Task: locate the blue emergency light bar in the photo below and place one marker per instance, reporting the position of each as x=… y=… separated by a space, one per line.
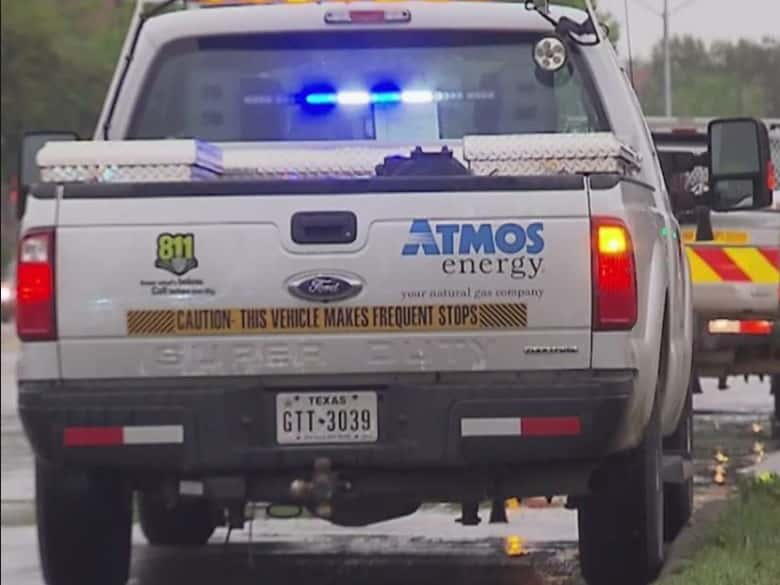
x=363 y=98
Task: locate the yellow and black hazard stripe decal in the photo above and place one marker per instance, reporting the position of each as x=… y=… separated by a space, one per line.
x=325 y=319
x=151 y=322
x=712 y=264
x=500 y=316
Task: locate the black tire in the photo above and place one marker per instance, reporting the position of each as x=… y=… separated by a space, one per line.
x=189 y=523
x=84 y=521
x=621 y=522
x=678 y=497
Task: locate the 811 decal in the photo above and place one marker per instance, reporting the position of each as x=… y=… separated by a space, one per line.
x=176 y=253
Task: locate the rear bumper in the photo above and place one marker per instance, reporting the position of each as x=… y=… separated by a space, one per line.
x=724 y=354
x=736 y=300
x=227 y=426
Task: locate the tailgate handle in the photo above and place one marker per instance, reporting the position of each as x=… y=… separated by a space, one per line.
x=324 y=227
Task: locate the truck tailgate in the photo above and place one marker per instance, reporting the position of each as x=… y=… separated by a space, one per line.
x=213 y=285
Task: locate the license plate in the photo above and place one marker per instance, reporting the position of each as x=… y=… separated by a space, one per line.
x=326 y=417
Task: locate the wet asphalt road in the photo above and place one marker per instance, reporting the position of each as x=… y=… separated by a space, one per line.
x=428 y=547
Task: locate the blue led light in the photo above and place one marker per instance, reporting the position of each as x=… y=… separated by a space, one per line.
x=321 y=99
x=386 y=97
x=362 y=98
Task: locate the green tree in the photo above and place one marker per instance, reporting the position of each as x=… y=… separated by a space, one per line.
x=725 y=79
x=604 y=17
x=57 y=60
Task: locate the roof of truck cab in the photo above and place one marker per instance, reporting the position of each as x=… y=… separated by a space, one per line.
x=288 y=17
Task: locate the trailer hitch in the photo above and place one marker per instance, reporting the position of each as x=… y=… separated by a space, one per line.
x=318 y=493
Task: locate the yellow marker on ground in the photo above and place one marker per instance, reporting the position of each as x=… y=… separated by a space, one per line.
x=514 y=546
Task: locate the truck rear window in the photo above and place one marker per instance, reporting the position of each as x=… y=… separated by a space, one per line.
x=385 y=86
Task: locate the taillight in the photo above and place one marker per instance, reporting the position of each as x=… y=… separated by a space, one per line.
x=771 y=176
x=383 y=16
x=720 y=326
x=35 y=310
x=614 y=275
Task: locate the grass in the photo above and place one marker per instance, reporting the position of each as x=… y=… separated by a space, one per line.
x=743 y=545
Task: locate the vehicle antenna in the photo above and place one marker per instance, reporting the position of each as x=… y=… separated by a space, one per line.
x=628 y=41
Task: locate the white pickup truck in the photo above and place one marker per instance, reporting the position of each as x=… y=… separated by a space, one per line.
x=418 y=252
x=735 y=265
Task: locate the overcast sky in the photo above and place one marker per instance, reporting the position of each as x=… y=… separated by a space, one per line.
x=707 y=19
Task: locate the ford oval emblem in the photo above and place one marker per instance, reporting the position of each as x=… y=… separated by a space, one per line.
x=324 y=287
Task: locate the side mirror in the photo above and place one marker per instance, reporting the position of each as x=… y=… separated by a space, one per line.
x=29 y=173
x=740 y=172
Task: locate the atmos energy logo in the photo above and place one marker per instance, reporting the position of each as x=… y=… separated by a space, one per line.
x=507 y=248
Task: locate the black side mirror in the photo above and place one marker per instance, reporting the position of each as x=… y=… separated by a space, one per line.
x=29 y=173
x=739 y=164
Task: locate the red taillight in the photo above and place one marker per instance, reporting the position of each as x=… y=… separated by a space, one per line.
x=387 y=15
x=35 y=311
x=726 y=326
x=771 y=176
x=614 y=275
x=755 y=327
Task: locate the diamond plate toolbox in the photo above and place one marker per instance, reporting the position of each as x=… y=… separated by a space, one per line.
x=545 y=154
x=129 y=161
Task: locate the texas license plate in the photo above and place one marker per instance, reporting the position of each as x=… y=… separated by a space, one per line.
x=326 y=417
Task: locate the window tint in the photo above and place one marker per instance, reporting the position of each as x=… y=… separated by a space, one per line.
x=346 y=86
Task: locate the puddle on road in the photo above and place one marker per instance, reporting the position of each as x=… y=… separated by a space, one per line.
x=731 y=440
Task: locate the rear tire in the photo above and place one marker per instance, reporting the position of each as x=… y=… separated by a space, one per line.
x=189 y=523
x=678 y=497
x=84 y=520
x=621 y=522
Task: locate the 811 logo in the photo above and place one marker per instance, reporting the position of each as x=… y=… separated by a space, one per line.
x=176 y=253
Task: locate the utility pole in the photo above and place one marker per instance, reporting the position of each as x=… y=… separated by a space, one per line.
x=667 y=62
x=666 y=16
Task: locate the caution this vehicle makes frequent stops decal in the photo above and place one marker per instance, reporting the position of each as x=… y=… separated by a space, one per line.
x=389 y=318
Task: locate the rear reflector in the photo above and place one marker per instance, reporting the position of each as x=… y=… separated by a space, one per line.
x=129 y=435
x=722 y=326
x=614 y=275
x=534 y=426
x=550 y=426
x=35 y=284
